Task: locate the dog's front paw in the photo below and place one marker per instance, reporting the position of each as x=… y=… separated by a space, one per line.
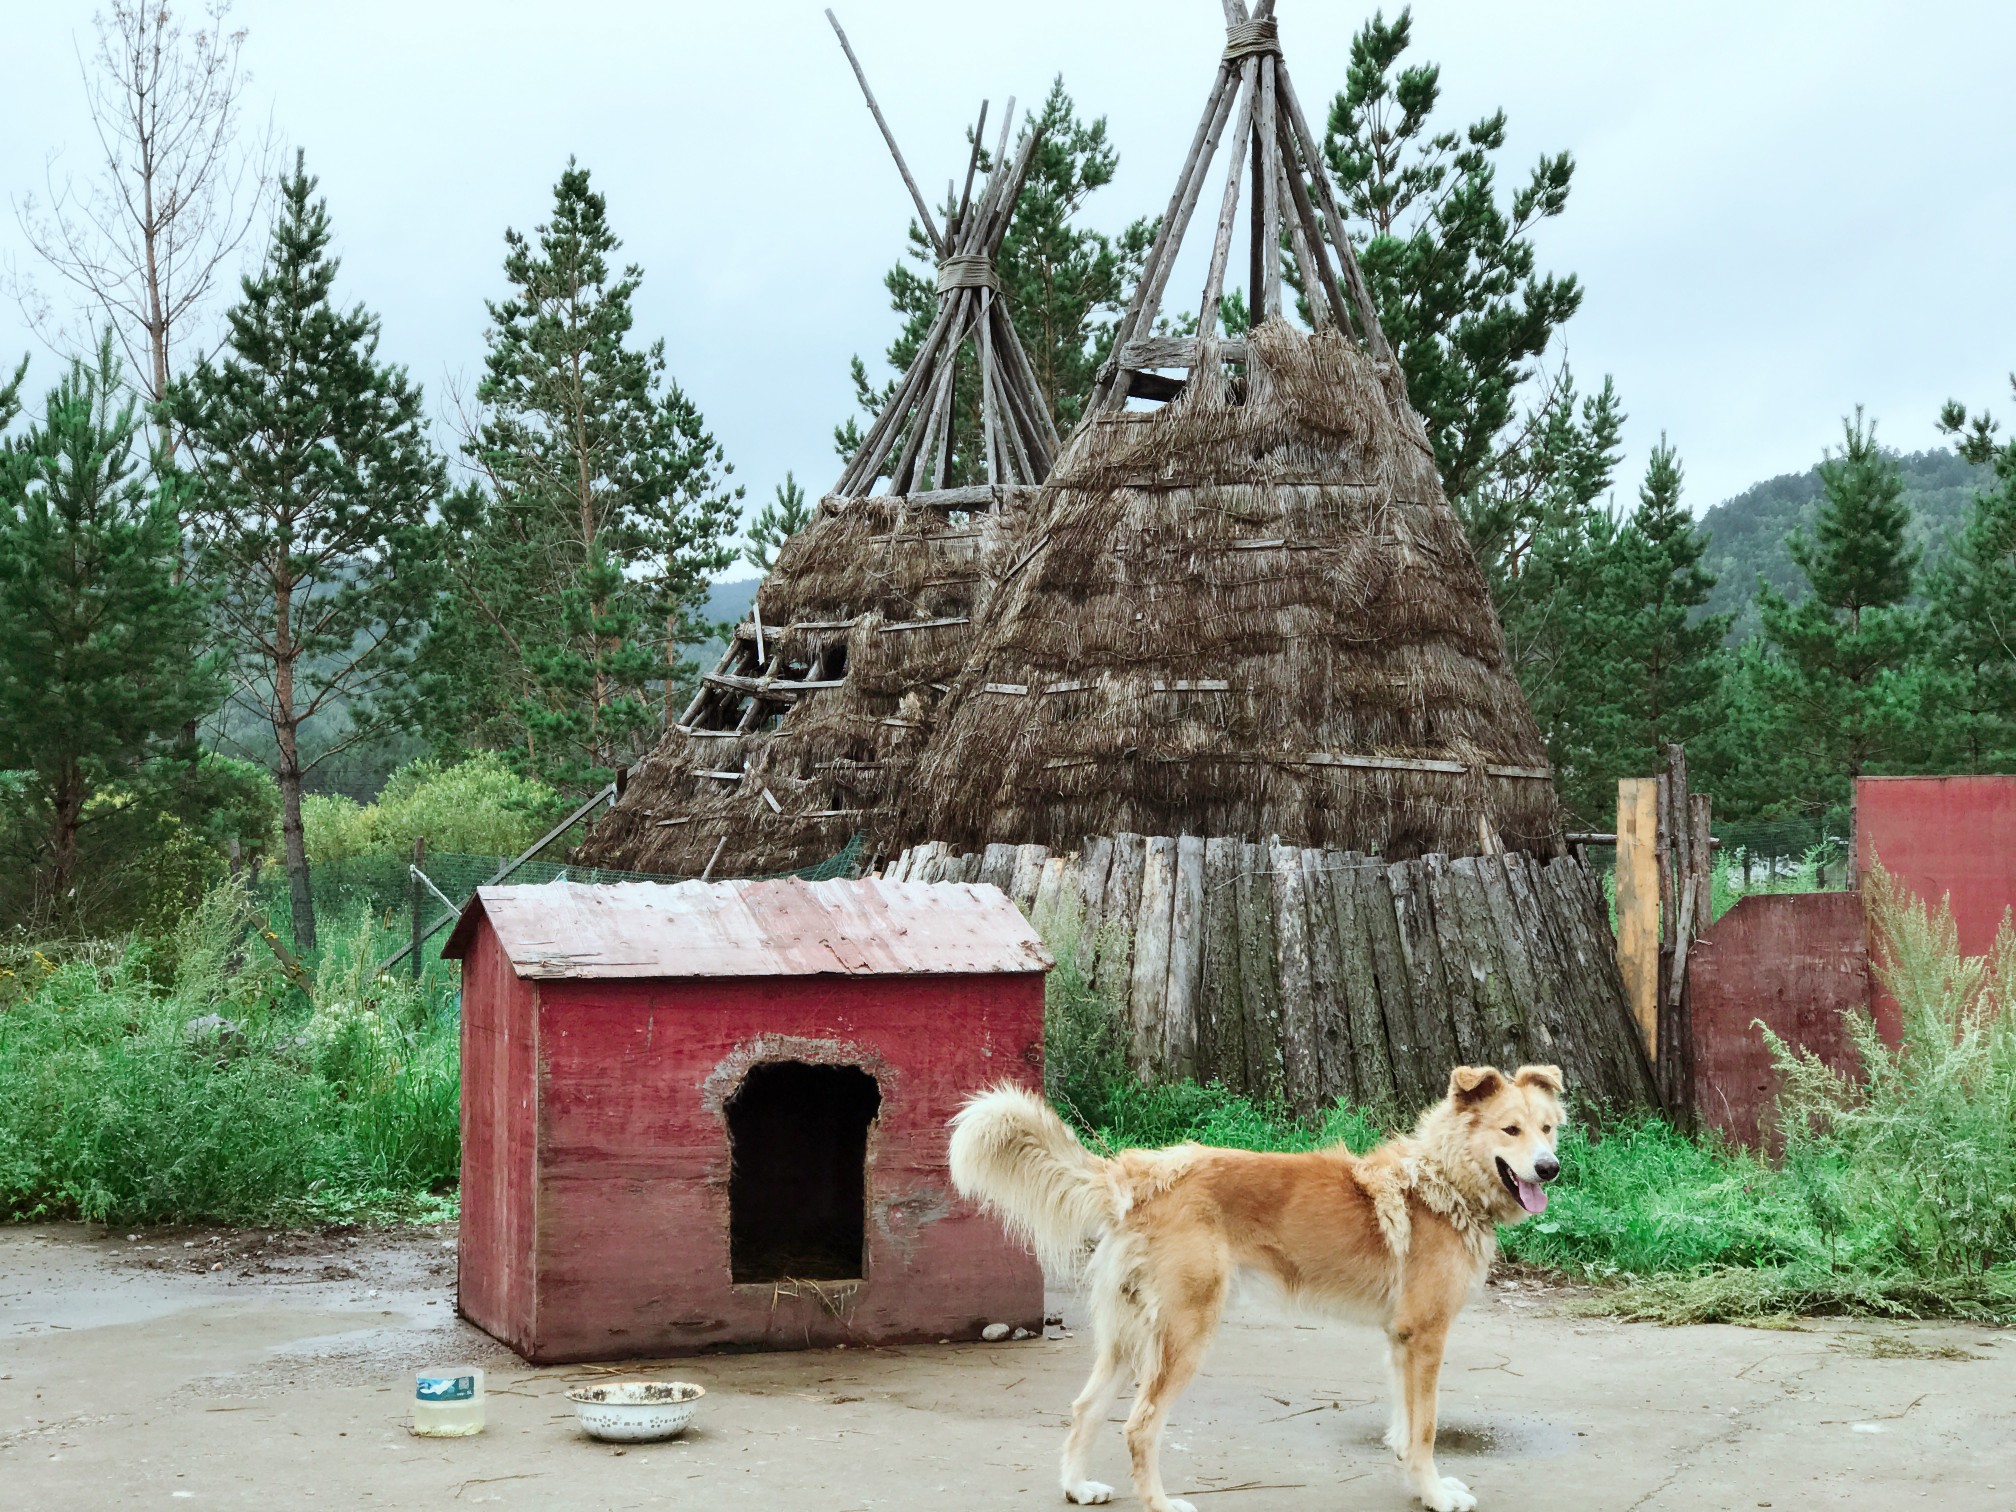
x=1177 y=1504
x=1088 y=1493
x=1448 y=1495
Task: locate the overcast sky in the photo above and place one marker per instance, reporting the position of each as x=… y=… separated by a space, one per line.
x=1780 y=210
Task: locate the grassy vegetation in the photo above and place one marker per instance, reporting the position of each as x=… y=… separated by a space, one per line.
x=187 y=1081
x=1895 y=1192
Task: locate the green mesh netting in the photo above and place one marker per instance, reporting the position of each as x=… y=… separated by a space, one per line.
x=384 y=883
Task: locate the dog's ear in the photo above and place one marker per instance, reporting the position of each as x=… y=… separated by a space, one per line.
x=1469 y=1085
x=1548 y=1077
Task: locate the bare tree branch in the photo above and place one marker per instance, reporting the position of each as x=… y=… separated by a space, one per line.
x=147 y=235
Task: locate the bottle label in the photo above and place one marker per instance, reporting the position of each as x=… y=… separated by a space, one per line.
x=445 y=1388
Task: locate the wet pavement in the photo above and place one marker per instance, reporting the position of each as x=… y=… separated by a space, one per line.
x=218 y=1368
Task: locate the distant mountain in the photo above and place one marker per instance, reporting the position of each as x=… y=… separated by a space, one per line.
x=727 y=603
x=1748 y=535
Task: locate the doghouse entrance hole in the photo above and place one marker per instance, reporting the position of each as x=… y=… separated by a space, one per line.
x=798 y=1182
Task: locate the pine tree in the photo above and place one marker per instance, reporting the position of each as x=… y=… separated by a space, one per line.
x=1066 y=286
x=1555 y=592
x=1973 y=594
x=101 y=660
x=1841 y=675
x=778 y=521
x=310 y=480
x=582 y=566
x=1450 y=266
x=1639 y=667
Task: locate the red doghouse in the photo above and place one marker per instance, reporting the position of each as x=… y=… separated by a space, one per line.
x=702 y=1115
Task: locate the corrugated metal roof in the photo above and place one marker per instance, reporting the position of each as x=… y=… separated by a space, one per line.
x=747 y=929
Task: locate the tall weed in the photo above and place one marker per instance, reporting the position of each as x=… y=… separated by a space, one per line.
x=220 y=1094
x=1896 y=1189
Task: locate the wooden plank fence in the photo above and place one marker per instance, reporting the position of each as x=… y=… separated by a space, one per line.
x=1316 y=974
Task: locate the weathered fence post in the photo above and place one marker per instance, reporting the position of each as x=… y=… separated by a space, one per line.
x=1638 y=903
x=1686 y=884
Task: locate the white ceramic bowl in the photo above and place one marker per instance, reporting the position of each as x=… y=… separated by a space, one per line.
x=636 y=1412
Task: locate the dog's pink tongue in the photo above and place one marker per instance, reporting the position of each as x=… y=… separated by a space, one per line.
x=1532 y=1195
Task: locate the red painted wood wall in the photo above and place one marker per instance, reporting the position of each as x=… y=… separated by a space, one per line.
x=1797 y=962
x=1945 y=837
x=596 y=1157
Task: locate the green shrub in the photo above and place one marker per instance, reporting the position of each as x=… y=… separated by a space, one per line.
x=220 y=1095
x=478 y=807
x=335 y=828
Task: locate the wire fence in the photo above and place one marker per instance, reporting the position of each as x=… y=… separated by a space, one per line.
x=385 y=887
x=1770 y=855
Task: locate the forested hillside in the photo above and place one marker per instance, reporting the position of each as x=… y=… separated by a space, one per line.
x=1749 y=535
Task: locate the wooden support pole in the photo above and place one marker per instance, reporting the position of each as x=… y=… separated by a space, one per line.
x=1702 y=848
x=972 y=163
x=1347 y=260
x=988 y=450
x=1139 y=317
x=1228 y=207
x=1682 y=899
x=923 y=210
x=1267 y=199
x=881 y=438
x=1047 y=439
x=1325 y=307
x=1256 y=249
x=1638 y=903
x=719 y=846
x=419 y=904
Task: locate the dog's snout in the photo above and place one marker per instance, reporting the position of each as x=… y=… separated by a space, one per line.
x=1546 y=1168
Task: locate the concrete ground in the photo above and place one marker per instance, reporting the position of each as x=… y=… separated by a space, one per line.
x=226 y=1369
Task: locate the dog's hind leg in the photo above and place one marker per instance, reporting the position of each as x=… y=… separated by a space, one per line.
x=1191 y=1301
x=1087 y=1413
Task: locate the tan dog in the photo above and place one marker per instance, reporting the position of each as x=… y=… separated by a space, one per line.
x=1401 y=1237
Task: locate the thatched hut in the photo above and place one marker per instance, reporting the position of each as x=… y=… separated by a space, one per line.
x=806 y=733
x=1224 y=701
x=1249 y=612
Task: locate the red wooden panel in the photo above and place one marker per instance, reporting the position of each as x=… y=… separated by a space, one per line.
x=1945 y=837
x=494 y=1274
x=1798 y=962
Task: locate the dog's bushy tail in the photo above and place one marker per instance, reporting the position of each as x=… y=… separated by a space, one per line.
x=1015 y=1157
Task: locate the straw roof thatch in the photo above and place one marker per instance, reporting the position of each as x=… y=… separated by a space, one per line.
x=1250 y=613
x=874 y=599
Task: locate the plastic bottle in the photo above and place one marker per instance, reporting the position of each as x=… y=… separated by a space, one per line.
x=448 y=1401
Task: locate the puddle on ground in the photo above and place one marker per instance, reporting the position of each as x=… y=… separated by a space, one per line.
x=1491 y=1438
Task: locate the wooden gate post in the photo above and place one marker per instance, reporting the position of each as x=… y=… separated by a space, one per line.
x=1638 y=903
